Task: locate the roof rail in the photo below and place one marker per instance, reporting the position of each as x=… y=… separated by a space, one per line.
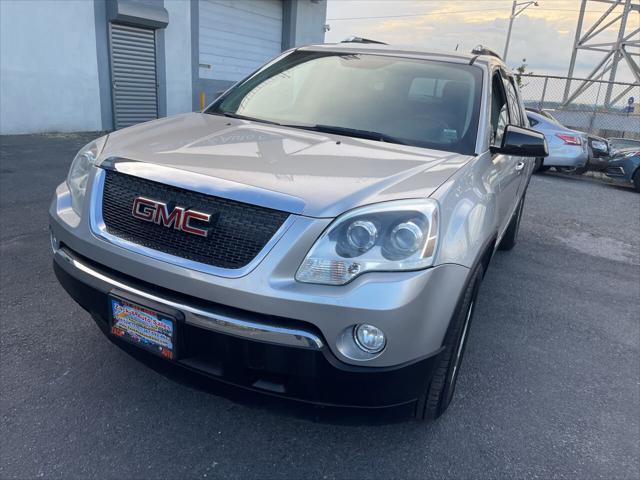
x=354 y=39
x=480 y=50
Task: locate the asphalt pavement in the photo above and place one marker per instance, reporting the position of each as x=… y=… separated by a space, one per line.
x=549 y=387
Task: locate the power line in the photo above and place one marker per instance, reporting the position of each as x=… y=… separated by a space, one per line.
x=414 y=14
x=445 y=13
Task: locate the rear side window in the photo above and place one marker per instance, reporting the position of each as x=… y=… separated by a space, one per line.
x=532 y=121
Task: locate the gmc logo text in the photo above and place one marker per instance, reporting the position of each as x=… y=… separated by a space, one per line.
x=178 y=218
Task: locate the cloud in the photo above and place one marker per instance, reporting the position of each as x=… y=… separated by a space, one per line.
x=543 y=35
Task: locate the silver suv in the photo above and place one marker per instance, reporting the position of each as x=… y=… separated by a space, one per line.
x=320 y=232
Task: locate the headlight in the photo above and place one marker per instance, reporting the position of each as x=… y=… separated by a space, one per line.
x=80 y=169
x=391 y=236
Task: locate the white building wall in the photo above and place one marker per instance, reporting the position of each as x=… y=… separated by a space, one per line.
x=48 y=67
x=310 y=20
x=237 y=36
x=178 y=56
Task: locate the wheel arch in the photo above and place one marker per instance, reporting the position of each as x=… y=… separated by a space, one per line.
x=469 y=213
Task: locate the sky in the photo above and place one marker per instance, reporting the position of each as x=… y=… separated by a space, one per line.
x=542 y=35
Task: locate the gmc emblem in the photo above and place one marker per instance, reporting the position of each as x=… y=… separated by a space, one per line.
x=179 y=217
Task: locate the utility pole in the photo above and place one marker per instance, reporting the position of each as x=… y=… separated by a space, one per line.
x=624 y=15
x=514 y=13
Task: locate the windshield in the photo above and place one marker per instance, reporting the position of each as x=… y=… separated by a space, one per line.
x=399 y=100
x=620 y=143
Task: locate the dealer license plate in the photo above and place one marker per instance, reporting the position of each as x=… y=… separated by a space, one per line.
x=143 y=327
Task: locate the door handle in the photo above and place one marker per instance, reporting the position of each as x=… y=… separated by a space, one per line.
x=520 y=166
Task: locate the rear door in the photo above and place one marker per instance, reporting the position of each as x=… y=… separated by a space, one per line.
x=524 y=165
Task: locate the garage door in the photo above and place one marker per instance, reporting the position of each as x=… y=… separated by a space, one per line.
x=133 y=75
x=238 y=36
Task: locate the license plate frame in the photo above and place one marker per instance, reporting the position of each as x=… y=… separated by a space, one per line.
x=145 y=327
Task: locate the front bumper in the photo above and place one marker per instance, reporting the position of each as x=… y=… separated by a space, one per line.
x=620 y=169
x=307 y=371
x=413 y=308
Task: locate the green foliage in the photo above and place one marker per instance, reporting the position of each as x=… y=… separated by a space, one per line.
x=520 y=71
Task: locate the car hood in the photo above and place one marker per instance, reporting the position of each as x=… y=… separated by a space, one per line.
x=327 y=173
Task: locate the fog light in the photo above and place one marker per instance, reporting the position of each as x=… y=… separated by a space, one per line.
x=369 y=338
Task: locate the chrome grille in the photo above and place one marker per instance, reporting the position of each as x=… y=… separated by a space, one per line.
x=239 y=233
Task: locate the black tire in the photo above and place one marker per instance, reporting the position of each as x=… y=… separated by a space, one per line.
x=636 y=180
x=537 y=164
x=542 y=169
x=573 y=170
x=440 y=390
x=511 y=235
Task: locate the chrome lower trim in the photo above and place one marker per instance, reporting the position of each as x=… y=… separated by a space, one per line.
x=203 y=318
x=99 y=229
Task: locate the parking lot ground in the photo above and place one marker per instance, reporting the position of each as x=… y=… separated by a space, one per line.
x=549 y=387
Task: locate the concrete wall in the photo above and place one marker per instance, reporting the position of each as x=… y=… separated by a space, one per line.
x=54 y=61
x=177 y=41
x=48 y=67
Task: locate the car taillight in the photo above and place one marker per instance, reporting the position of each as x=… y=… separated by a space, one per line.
x=569 y=139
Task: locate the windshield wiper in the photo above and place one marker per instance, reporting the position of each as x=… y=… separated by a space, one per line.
x=243 y=117
x=349 y=132
x=352 y=132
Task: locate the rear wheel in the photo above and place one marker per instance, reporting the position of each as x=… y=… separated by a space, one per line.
x=540 y=168
x=511 y=235
x=440 y=390
x=537 y=165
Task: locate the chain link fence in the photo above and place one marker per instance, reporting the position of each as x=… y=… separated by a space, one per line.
x=606 y=109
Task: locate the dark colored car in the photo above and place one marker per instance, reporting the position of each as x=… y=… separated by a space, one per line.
x=616 y=144
x=599 y=152
x=625 y=166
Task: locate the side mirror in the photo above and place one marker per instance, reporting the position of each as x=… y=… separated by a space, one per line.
x=522 y=142
x=599 y=148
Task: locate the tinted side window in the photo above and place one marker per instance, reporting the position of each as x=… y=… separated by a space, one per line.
x=514 y=105
x=499 y=110
x=532 y=121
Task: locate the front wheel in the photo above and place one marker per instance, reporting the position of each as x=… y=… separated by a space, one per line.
x=440 y=390
x=636 y=180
